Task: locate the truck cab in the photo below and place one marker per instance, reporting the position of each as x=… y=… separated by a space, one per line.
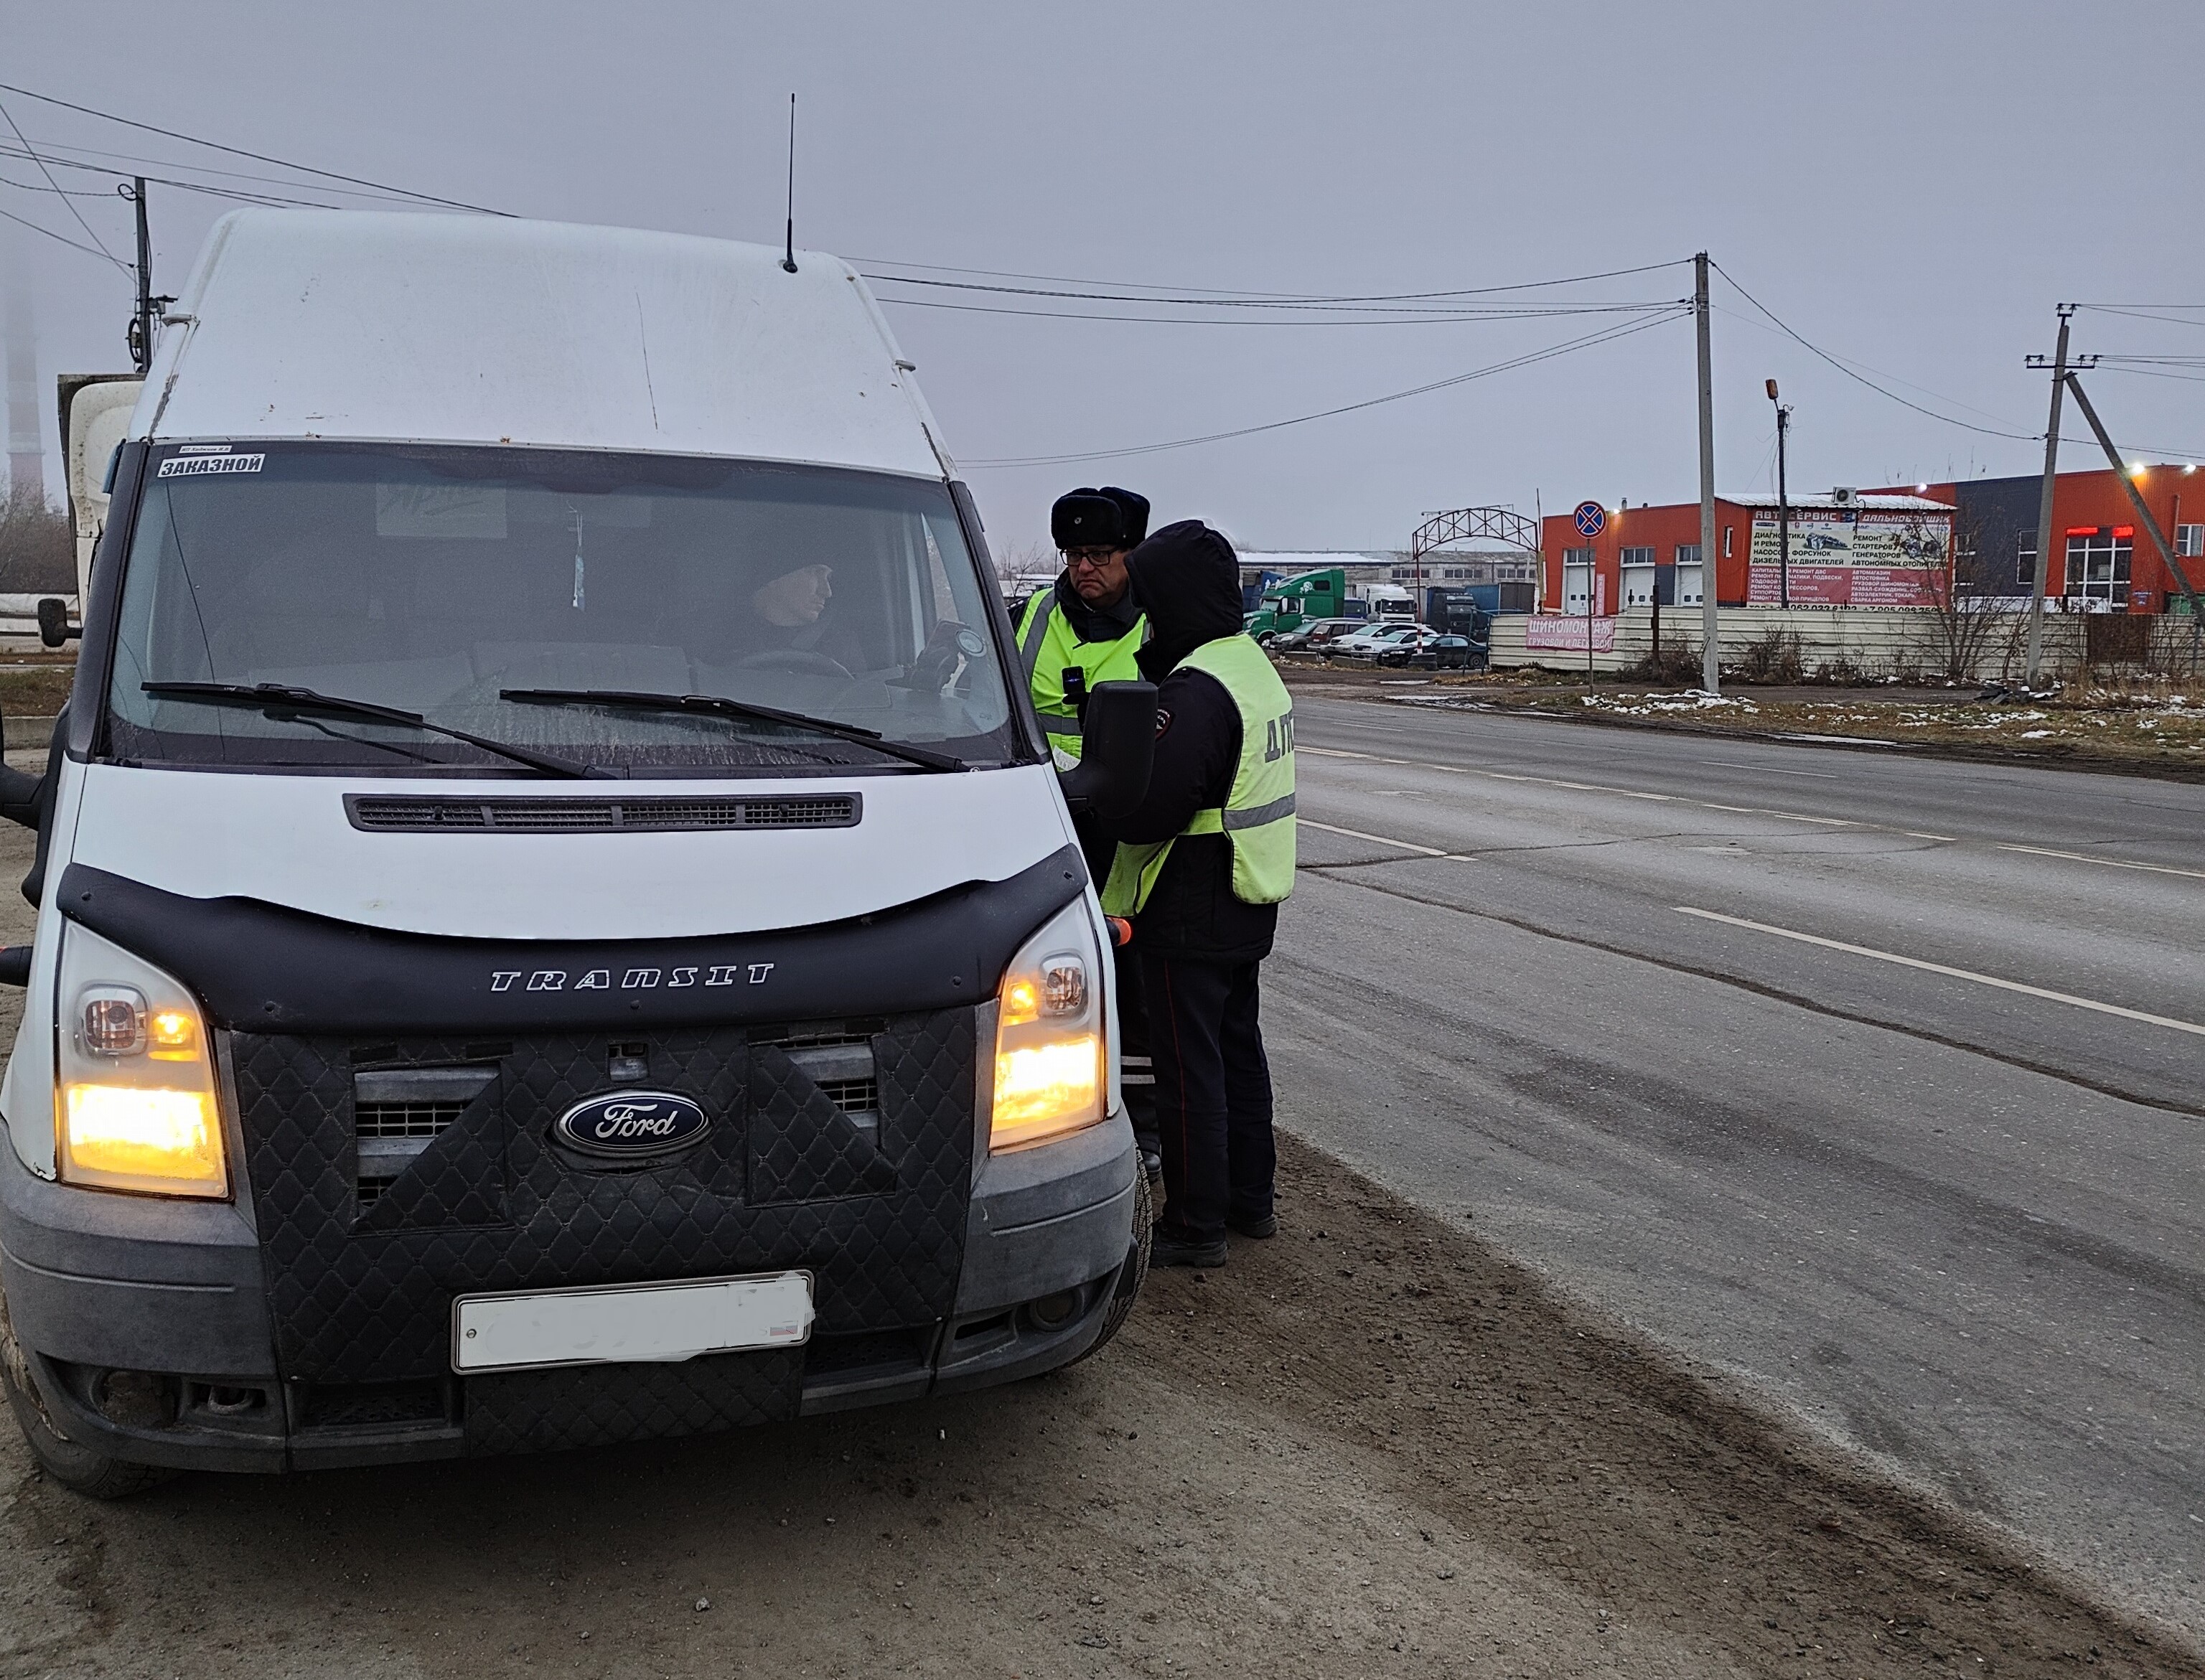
x=1299 y=600
x=553 y=926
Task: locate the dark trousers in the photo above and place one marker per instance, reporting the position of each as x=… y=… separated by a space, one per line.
x=1136 y=1075
x=1213 y=1094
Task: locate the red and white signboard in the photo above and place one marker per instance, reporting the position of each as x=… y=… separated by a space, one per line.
x=1555 y=632
x=1843 y=558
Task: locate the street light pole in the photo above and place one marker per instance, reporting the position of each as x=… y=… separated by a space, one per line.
x=1783 y=506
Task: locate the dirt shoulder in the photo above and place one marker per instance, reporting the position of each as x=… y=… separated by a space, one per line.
x=1370 y=1445
x=2125 y=732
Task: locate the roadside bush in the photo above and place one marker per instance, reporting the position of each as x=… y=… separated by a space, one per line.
x=1843 y=672
x=1773 y=657
x=1671 y=666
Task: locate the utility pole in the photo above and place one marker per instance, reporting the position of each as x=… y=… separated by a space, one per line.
x=141 y=326
x=2044 y=499
x=1710 y=631
x=1783 y=506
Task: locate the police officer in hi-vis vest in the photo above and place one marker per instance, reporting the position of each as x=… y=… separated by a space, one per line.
x=1088 y=629
x=1202 y=868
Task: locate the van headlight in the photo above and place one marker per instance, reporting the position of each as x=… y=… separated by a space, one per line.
x=134 y=1102
x=1050 y=1041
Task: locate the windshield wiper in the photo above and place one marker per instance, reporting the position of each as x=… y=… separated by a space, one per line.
x=718 y=705
x=276 y=699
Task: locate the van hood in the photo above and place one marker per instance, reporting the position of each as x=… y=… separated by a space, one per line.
x=292 y=841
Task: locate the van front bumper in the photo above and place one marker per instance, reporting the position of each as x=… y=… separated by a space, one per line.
x=145 y=1324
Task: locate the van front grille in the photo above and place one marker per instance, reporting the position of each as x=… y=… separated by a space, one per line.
x=852 y=1096
x=404 y=1119
x=442 y=814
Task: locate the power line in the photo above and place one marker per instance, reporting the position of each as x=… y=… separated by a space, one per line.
x=33 y=187
x=1606 y=335
x=57 y=185
x=56 y=155
x=237 y=194
x=64 y=239
x=1432 y=317
x=1991 y=431
x=241 y=194
x=2145 y=315
x=1210 y=292
x=240 y=151
x=1740 y=314
x=1248 y=301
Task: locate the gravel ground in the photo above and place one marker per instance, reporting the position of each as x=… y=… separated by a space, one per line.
x=2140 y=729
x=1371 y=1445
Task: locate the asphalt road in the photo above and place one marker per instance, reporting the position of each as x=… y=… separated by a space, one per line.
x=1652 y=1012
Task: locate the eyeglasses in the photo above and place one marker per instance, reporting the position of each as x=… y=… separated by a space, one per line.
x=1093 y=559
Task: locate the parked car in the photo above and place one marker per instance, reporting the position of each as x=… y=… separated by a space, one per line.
x=1399 y=651
x=1318 y=633
x=1448 y=653
x=1365 y=644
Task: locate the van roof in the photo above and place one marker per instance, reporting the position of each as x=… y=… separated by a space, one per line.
x=493 y=329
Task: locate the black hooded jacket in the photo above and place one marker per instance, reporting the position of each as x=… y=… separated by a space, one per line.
x=1187 y=580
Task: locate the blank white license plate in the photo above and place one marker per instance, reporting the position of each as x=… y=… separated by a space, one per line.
x=632 y=1322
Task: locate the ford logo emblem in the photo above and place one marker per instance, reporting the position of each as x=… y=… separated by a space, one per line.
x=628 y=1124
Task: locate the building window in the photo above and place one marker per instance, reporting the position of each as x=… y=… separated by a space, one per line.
x=1726 y=531
x=2025 y=559
x=2190 y=541
x=1639 y=556
x=1688 y=554
x=2098 y=564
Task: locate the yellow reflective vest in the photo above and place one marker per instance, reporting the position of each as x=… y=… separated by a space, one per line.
x=1048 y=647
x=1258 y=814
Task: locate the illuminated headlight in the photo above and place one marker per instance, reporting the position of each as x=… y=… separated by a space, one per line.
x=134 y=1102
x=1050 y=1042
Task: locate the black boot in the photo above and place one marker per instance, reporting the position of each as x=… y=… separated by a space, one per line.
x=1166 y=1249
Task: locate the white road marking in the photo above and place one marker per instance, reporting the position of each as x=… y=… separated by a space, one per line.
x=1943 y=969
x=2109 y=863
x=1376 y=839
x=1734 y=810
x=1770 y=769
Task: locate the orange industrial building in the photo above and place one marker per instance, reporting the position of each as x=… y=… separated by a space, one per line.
x=1848 y=548
x=1896 y=547
x=2102 y=561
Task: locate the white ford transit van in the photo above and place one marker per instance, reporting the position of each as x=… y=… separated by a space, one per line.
x=557 y=924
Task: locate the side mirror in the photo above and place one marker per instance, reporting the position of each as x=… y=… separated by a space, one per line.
x=1117 y=750
x=54 y=627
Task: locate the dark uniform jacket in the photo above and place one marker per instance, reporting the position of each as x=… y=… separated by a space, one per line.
x=1187 y=581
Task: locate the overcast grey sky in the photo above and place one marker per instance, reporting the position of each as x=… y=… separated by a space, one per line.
x=1910 y=184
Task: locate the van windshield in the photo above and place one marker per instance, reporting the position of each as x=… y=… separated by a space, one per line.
x=437 y=580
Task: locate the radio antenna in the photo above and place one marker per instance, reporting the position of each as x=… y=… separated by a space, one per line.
x=788 y=250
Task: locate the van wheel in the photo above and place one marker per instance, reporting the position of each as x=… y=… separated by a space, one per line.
x=81 y=1469
x=1135 y=1272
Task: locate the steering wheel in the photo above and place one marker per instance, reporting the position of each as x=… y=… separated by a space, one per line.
x=795 y=660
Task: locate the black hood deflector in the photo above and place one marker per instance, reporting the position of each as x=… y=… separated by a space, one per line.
x=259 y=967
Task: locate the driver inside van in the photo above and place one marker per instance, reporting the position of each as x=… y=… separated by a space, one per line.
x=796 y=598
x=789 y=614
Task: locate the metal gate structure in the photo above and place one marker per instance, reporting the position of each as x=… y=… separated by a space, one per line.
x=1501 y=526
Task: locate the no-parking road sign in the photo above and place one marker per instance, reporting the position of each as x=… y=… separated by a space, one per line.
x=1591 y=518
